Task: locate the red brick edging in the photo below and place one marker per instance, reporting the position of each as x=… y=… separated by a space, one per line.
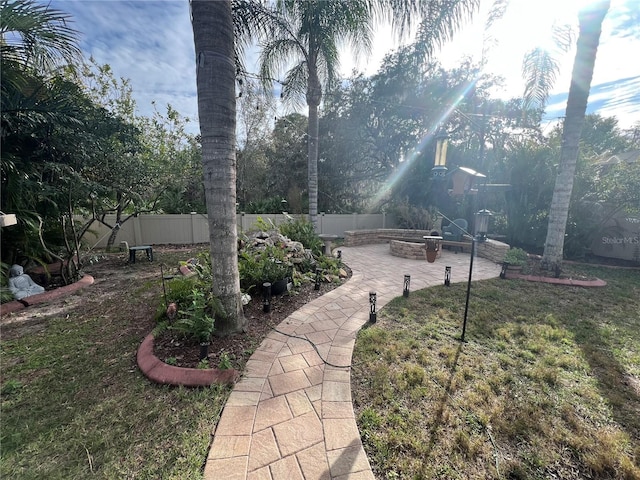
x=159 y=372
x=16 y=305
x=558 y=281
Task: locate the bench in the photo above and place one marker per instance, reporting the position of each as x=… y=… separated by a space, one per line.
x=148 y=249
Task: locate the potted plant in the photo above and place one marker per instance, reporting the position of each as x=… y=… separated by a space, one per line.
x=276 y=272
x=515 y=259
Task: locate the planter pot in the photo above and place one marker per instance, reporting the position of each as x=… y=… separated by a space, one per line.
x=279 y=287
x=431 y=255
x=508 y=268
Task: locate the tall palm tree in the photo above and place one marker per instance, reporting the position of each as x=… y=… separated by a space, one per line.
x=590 y=21
x=305 y=36
x=213 y=34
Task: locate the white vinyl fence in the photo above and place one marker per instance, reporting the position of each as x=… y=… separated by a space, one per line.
x=194 y=228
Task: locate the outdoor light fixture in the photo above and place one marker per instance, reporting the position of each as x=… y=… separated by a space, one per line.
x=266 y=297
x=503 y=270
x=439 y=169
x=339 y=254
x=482 y=224
x=405 y=288
x=447 y=275
x=372 y=307
x=317 y=284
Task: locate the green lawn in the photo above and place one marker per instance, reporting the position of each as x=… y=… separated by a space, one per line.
x=74 y=405
x=546 y=386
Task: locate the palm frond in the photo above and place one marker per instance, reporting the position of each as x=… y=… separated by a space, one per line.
x=563 y=36
x=539 y=69
x=497 y=12
x=295 y=86
x=37 y=36
x=441 y=19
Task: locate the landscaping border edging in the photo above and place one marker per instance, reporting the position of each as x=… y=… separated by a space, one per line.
x=159 y=372
x=47 y=296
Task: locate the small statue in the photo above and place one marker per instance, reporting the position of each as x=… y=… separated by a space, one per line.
x=21 y=284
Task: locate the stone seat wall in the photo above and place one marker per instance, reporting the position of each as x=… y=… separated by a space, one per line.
x=491 y=249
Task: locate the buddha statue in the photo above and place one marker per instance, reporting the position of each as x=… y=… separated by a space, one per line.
x=21 y=284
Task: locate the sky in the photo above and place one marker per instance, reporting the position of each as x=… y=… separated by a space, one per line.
x=150 y=42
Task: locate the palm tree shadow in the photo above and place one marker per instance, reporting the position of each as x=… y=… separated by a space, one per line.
x=438 y=417
x=619 y=388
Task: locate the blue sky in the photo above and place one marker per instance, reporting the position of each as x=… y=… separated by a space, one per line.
x=150 y=42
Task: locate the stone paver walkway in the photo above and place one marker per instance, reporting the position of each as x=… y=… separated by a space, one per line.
x=290 y=416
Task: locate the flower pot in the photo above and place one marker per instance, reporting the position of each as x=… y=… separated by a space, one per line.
x=279 y=287
x=508 y=268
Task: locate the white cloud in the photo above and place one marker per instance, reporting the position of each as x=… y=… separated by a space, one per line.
x=151 y=43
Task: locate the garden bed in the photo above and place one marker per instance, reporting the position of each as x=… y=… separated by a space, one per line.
x=176 y=349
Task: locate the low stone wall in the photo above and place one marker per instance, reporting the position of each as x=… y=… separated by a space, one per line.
x=354 y=238
x=412 y=250
x=491 y=249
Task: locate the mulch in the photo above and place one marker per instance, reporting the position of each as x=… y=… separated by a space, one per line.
x=176 y=349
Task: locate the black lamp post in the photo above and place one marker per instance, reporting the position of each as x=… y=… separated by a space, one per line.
x=405 y=286
x=481 y=227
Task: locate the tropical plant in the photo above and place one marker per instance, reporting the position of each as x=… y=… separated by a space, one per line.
x=196 y=318
x=303 y=39
x=300 y=230
x=258 y=267
x=590 y=19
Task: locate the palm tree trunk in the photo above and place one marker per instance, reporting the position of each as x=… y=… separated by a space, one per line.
x=213 y=37
x=313 y=165
x=314 y=96
x=591 y=19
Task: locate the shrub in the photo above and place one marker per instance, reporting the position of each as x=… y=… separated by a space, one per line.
x=516 y=256
x=268 y=265
x=302 y=231
x=195 y=318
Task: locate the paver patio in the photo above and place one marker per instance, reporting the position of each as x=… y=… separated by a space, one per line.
x=290 y=416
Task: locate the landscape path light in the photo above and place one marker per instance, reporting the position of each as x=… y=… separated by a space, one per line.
x=266 y=297
x=372 y=307
x=405 y=286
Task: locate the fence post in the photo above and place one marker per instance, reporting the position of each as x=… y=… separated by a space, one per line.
x=193 y=228
x=137 y=231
